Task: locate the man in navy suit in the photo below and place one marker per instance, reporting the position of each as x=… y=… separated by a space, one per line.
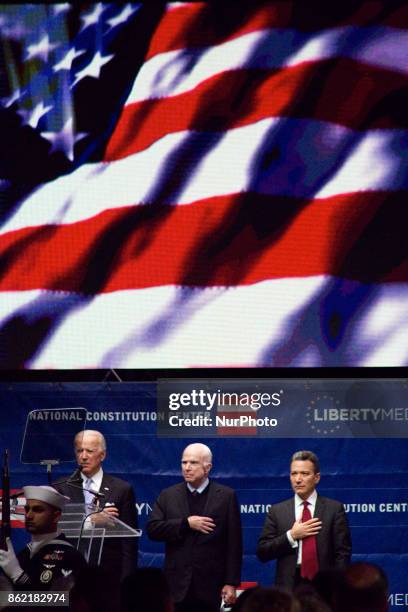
x=199 y=521
x=119 y=554
x=306 y=533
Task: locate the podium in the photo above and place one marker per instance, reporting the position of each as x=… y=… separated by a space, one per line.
x=87 y=527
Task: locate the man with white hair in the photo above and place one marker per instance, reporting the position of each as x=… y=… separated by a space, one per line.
x=199 y=521
x=117 y=499
x=48 y=559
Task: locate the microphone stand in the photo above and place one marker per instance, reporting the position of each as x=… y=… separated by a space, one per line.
x=76 y=481
x=49 y=463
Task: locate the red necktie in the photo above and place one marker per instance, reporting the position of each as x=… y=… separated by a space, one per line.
x=310 y=564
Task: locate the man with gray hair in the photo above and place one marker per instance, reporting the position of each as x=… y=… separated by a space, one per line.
x=117 y=499
x=307 y=533
x=199 y=521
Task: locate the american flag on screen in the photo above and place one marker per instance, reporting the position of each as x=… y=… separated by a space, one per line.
x=203 y=184
x=17 y=513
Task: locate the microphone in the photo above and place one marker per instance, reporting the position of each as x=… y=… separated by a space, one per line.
x=76 y=476
x=76 y=481
x=95 y=493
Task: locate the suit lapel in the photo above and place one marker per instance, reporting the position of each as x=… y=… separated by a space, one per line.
x=290 y=512
x=75 y=493
x=210 y=497
x=181 y=500
x=106 y=489
x=319 y=513
x=319 y=509
x=79 y=495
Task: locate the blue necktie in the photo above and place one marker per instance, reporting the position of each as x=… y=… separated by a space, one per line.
x=87 y=495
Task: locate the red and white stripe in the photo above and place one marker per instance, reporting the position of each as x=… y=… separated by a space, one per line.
x=162 y=249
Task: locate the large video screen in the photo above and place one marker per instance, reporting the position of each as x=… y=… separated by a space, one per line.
x=191 y=185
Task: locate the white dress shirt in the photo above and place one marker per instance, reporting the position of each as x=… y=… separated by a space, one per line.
x=199 y=489
x=298 y=501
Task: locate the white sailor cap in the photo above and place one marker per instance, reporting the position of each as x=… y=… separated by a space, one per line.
x=46 y=494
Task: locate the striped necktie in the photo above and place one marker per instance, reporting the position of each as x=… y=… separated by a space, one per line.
x=88 y=496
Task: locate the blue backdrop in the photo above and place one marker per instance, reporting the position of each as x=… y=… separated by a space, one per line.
x=368 y=475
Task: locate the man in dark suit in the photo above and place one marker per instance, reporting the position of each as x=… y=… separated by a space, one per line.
x=306 y=533
x=199 y=521
x=119 y=554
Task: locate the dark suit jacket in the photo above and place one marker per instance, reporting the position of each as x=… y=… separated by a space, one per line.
x=333 y=540
x=119 y=554
x=210 y=560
